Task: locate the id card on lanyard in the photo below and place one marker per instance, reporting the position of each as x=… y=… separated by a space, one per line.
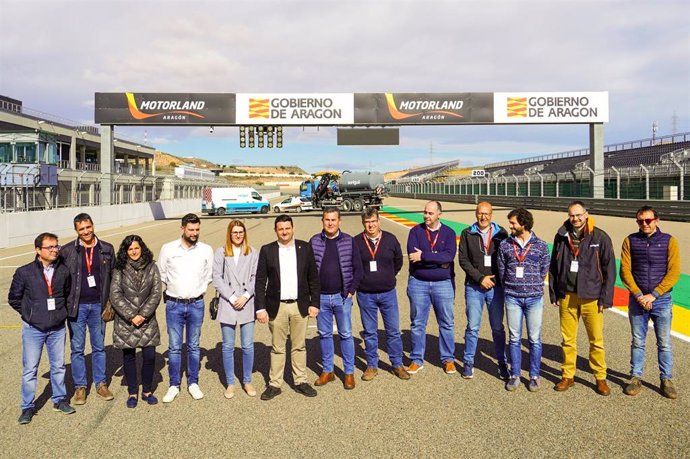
x=520 y=270
x=51 y=301
x=428 y=236
x=487 y=257
x=90 y=279
x=372 y=264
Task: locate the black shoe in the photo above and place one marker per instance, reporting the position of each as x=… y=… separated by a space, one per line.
x=26 y=416
x=306 y=390
x=63 y=407
x=270 y=393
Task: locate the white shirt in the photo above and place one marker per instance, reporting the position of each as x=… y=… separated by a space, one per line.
x=287 y=258
x=186 y=271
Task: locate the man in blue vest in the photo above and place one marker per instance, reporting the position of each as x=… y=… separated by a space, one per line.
x=340 y=270
x=650 y=267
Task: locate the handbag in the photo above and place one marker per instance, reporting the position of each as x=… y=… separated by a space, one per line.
x=213 y=305
x=108 y=312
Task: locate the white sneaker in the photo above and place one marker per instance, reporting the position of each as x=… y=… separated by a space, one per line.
x=171 y=395
x=195 y=391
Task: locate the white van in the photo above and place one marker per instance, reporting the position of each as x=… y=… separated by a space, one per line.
x=221 y=201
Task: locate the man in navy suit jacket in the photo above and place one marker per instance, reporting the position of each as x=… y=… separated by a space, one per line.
x=287 y=294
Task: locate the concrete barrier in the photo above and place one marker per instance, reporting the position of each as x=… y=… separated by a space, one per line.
x=18 y=228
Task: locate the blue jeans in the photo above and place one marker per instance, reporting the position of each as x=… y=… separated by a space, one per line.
x=661 y=315
x=89 y=315
x=247 y=341
x=387 y=303
x=475 y=298
x=178 y=316
x=341 y=308
x=533 y=311
x=33 y=340
x=422 y=295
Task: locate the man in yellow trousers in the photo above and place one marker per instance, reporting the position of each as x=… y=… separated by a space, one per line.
x=581 y=280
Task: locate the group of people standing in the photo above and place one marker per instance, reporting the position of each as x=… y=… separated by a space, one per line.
x=289 y=280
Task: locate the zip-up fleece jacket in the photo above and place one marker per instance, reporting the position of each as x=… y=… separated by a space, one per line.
x=73 y=254
x=650 y=264
x=596 y=272
x=350 y=263
x=536 y=266
x=471 y=253
x=28 y=294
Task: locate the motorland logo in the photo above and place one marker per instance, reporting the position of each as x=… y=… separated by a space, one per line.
x=165 y=109
x=421 y=109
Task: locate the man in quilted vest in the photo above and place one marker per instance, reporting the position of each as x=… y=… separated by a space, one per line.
x=340 y=270
x=650 y=267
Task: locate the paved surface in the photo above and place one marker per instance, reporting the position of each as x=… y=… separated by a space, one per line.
x=431 y=415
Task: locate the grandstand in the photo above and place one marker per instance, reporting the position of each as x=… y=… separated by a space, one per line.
x=421 y=174
x=642 y=169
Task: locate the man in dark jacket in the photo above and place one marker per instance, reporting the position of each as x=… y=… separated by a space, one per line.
x=285 y=296
x=477 y=253
x=382 y=260
x=90 y=261
x=582 y=275
x=340 y=270
x=40 y=292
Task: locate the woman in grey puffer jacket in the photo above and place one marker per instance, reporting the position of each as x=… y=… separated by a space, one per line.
x=135 y=292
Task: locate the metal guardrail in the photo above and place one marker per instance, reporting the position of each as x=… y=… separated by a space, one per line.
x=668 y=210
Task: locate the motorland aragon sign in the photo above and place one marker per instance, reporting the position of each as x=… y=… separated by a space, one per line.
x=551 y=107
x=298 y=109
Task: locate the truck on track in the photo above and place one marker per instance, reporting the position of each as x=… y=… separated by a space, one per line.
x=221 y=201
x=351 y=191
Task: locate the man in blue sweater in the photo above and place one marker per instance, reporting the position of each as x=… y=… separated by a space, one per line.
x=340 y=270
x=523 y=262
x=382 y=259
x=431 y=248
x=40 y=292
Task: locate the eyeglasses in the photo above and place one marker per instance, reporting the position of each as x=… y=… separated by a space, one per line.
x=51 y=247
x=237 y=233
x=646 y=221
x=576 y=215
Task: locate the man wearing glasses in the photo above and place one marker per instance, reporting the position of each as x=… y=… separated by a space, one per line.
x=650 y=267
x=582 y=276
x=40 y=292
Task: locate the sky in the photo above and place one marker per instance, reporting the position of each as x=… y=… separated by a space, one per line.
x=55 y=54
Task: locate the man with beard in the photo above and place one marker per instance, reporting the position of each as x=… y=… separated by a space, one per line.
x=523 y=262
x=186 y=269
x=582 y=275
x=91 y=262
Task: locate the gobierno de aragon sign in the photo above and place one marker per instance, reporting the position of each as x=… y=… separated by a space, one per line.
x=350 y=109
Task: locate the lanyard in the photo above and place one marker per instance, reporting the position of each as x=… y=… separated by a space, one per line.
x=376 y=247
x=89 y=258
x=428 y=236
x=488 y=241
x=519 y=258
x=49 y=283
x=572 y=246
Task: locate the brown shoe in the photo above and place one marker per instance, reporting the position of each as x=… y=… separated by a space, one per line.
x=634 y=387
x=602 y=387
x=349 y=381
x=80 y=396
x=324 y=379
x=401 y=373
x=667 y=389
x=449 y=368
x=370 y=373
x=103 y=392
x=564 y=384
x=414 y=368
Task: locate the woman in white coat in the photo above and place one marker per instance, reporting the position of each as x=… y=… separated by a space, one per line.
x=234 y=274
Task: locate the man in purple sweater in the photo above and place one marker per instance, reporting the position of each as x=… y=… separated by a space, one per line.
x=431 y=248
x=382 y=259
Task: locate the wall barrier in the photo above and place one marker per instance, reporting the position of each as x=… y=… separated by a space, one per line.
x=668 y=210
